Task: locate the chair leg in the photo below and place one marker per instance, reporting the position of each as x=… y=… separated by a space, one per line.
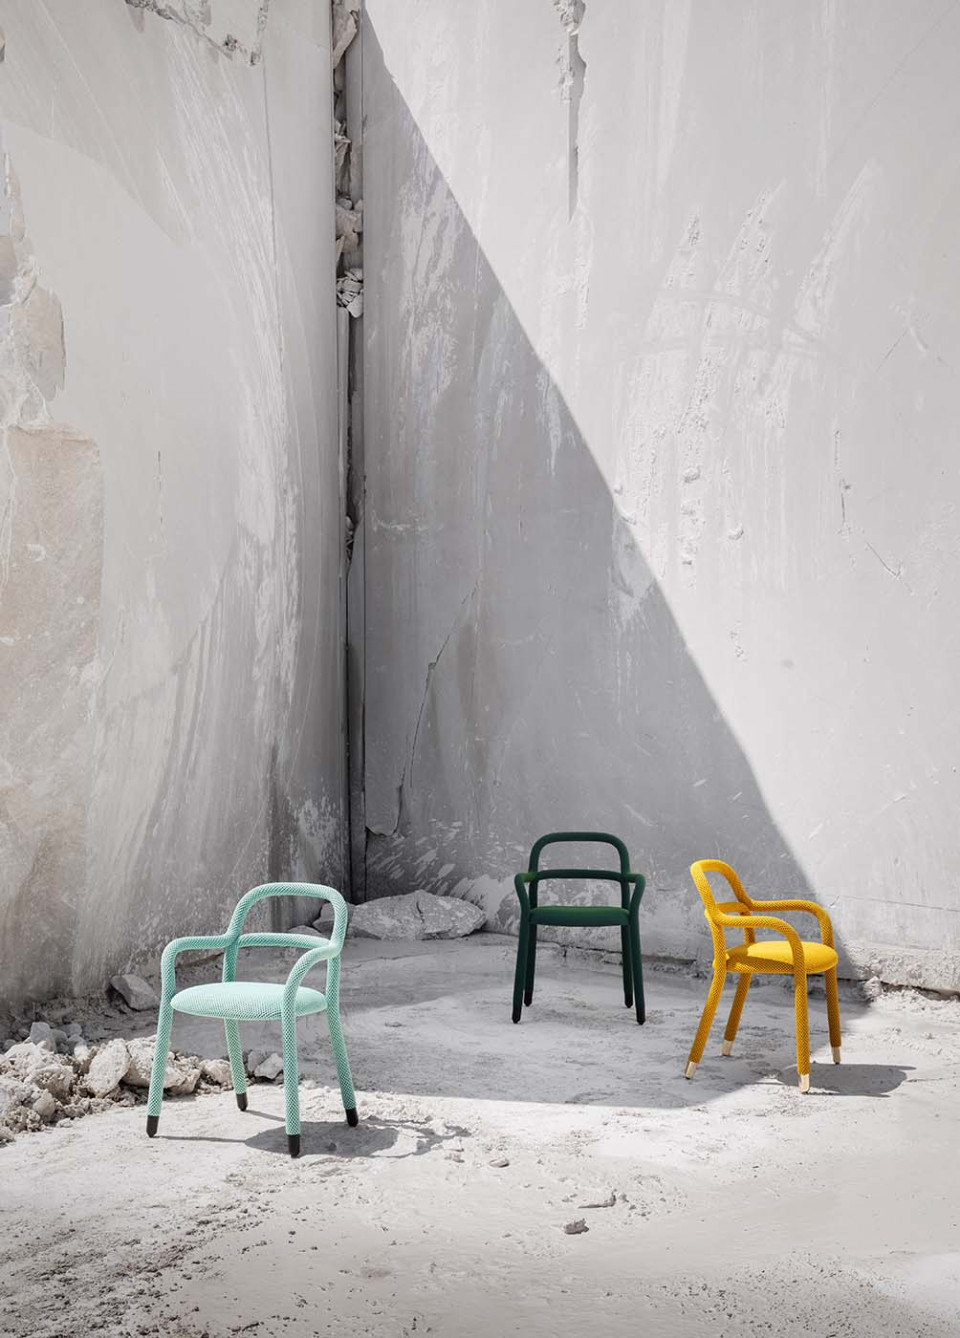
x=706 y=1020
x=636 y=964
x=521 y=971
x=803 y=1029
x=531 y=967
x=236 y=1063
x=159 y=1069
x=291 y=1082
x=733 y=1021
x=343 y=1065
x=833 y=1013
x=626 y=952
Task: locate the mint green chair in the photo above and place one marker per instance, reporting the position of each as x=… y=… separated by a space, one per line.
x=237 y=1001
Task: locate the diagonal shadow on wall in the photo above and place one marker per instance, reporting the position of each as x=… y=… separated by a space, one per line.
x=524 y=672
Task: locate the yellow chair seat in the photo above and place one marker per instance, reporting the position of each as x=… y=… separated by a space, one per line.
x=774 y=956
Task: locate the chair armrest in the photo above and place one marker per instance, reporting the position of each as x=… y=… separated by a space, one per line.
x=325 y=953
x=809 y=907
x=766 y=922
x=283 y=941
x=195 y=943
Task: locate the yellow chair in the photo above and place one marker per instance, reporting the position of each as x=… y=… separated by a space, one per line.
x=793 y=957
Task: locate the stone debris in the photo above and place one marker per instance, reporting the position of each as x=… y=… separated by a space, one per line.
x=307 y=930
x=216 y=1071
x=576 y=1228
x=608 y=1202
x=108 y=1068
x=500 y=1163
x=415 y=915
x=59 y=1075
x=136 y=992
x=350 y=291
x=345 y=20
x=269 y=1068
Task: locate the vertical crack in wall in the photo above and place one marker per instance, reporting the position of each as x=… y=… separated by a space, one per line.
x=348 y=260
x=573 y=79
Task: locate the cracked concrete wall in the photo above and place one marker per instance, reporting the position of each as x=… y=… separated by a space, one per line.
x=662 y=476
x=170 y=521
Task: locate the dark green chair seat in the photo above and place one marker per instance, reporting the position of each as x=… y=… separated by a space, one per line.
x=626 y=916
x=592 y=917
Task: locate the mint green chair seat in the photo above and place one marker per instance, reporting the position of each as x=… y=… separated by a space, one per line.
x=244 y=1001
x=235 y=1001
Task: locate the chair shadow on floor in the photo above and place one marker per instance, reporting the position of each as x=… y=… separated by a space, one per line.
x=333 y=1138
x=845 y=1079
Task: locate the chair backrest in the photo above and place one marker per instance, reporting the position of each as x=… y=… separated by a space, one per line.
x=712 y=909
x=315 y=890
x=556 y=838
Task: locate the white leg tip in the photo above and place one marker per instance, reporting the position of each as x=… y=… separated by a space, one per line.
x=804 y=1082
x=727 y=1048
x=690 y=1070
x=836 y=1053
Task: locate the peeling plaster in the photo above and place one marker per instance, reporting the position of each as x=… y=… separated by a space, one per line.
x=572 y=83
x=234 y=27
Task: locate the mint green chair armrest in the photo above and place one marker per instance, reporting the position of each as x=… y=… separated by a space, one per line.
x=195 y=943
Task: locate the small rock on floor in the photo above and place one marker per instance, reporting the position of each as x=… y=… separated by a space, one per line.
x=576 y=1228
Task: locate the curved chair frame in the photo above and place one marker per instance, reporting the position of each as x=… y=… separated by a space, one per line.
x=318 y=950
x=750 y=915
x=626 y=916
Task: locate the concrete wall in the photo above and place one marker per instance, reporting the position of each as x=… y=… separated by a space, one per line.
x=663 y=323
x=169 y=504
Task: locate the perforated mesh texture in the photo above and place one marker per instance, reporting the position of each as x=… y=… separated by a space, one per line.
x=236 y=1001
x=244 y=1001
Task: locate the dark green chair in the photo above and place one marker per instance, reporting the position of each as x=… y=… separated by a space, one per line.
x=626 y=915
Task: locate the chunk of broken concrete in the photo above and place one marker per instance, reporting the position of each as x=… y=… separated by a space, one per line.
x=252 y=1058
x=576 y=1228
x=217 y=1071
x=307 y=930
x=34 y=1063
x=108 y=1067
x=45 y=1106
x=270 y=1068
x=13 y=1094
x=138 y=994
x=415 y=915
x=42 y=1031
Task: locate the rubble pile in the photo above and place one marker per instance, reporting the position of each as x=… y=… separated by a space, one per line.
x=51 y=1074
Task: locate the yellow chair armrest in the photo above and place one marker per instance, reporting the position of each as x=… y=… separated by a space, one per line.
x=809 y=907
x=766 y=922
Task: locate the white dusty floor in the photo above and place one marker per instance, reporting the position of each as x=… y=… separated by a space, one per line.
x=741 y=1207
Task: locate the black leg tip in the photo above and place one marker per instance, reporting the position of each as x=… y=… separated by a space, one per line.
x=293 y=1142
x=153 y=1124
x=242 y=1100
x=528 y=999
x=641 y=1018
x=353 y=1119
x=516 y=1015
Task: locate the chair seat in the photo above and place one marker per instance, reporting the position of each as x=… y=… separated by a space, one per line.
x=591 y=916
x=773 y=956
x=243 y=1001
